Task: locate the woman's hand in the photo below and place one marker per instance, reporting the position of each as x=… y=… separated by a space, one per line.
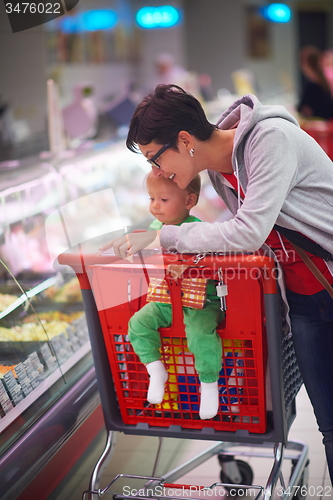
x=129 y=244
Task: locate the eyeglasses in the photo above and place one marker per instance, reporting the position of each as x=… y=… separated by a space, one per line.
x=153 y=159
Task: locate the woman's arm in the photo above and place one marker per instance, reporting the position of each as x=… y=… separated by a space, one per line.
x=271 y=168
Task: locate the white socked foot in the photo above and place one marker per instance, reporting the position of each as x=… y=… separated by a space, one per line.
x=158 y=377
x=209 y=400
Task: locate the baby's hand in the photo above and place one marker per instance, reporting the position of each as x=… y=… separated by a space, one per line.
x=176 y=270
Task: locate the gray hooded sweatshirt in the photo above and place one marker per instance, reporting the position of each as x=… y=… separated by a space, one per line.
x=287 y=179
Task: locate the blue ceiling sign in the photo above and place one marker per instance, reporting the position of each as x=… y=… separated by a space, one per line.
x=99 y=19
x=276 y=12
x=157 y=17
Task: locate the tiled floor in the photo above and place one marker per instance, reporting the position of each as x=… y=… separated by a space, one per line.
x=136 y=455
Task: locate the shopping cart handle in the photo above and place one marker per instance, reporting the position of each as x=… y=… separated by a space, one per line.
x=224 y=260
x=250 y=262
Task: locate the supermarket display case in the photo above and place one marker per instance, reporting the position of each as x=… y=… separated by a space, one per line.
x=47 y=378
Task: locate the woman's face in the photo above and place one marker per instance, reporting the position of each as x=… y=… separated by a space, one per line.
x=177 y=165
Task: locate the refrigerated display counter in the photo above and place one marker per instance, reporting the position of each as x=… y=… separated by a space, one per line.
x=48 y=388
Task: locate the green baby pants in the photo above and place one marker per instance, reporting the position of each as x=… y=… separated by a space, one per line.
x=200 y=326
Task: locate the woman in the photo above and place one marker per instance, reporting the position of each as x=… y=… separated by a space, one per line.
x=268 y=171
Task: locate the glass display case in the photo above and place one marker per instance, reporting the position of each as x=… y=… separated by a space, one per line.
x=46 y=369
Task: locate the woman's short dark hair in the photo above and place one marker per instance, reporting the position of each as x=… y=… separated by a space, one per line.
x=195 y=186
x=163 y=114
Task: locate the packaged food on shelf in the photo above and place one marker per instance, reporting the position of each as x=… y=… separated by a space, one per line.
x=66 y=332
x=6 y=404
x=44 y=342
x=39 y=332
x=53 y=316
x=6 y=368
x=69 y=292
x=13 y=387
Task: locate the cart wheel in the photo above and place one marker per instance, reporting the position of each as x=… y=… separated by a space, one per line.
x=302 y=491
x=246 y=476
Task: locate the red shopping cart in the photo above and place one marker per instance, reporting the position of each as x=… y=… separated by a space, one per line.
x=259 y=377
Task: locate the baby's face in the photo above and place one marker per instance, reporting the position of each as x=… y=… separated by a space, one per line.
x=168 y=203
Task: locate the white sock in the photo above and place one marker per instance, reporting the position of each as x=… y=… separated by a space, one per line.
x=209 y=400
x=158 y=377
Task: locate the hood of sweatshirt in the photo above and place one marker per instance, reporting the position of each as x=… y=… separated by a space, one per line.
x=250 y=111
x=246 y=113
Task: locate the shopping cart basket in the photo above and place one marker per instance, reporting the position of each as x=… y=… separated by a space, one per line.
x=259 y=377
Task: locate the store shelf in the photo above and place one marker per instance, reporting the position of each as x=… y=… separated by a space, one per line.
x=43 y=387
x=47 y=205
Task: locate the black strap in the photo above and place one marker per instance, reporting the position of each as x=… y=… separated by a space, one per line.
x=314 y=269
x=304 y=243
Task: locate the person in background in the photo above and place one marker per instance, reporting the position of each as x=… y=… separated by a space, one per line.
x=171 y=205
x=327 y=63
x=316 y=100
x=270 y=173
x=167 y=71
x=205 y=86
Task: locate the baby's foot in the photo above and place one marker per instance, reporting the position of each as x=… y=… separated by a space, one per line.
x=209 y=400
x=158 y=377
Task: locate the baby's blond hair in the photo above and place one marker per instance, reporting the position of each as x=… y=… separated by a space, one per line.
x=193 y=187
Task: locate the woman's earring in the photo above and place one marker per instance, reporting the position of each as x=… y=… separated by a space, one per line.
x=192 y=152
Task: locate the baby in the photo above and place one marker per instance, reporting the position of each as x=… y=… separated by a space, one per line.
x=172 y=205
